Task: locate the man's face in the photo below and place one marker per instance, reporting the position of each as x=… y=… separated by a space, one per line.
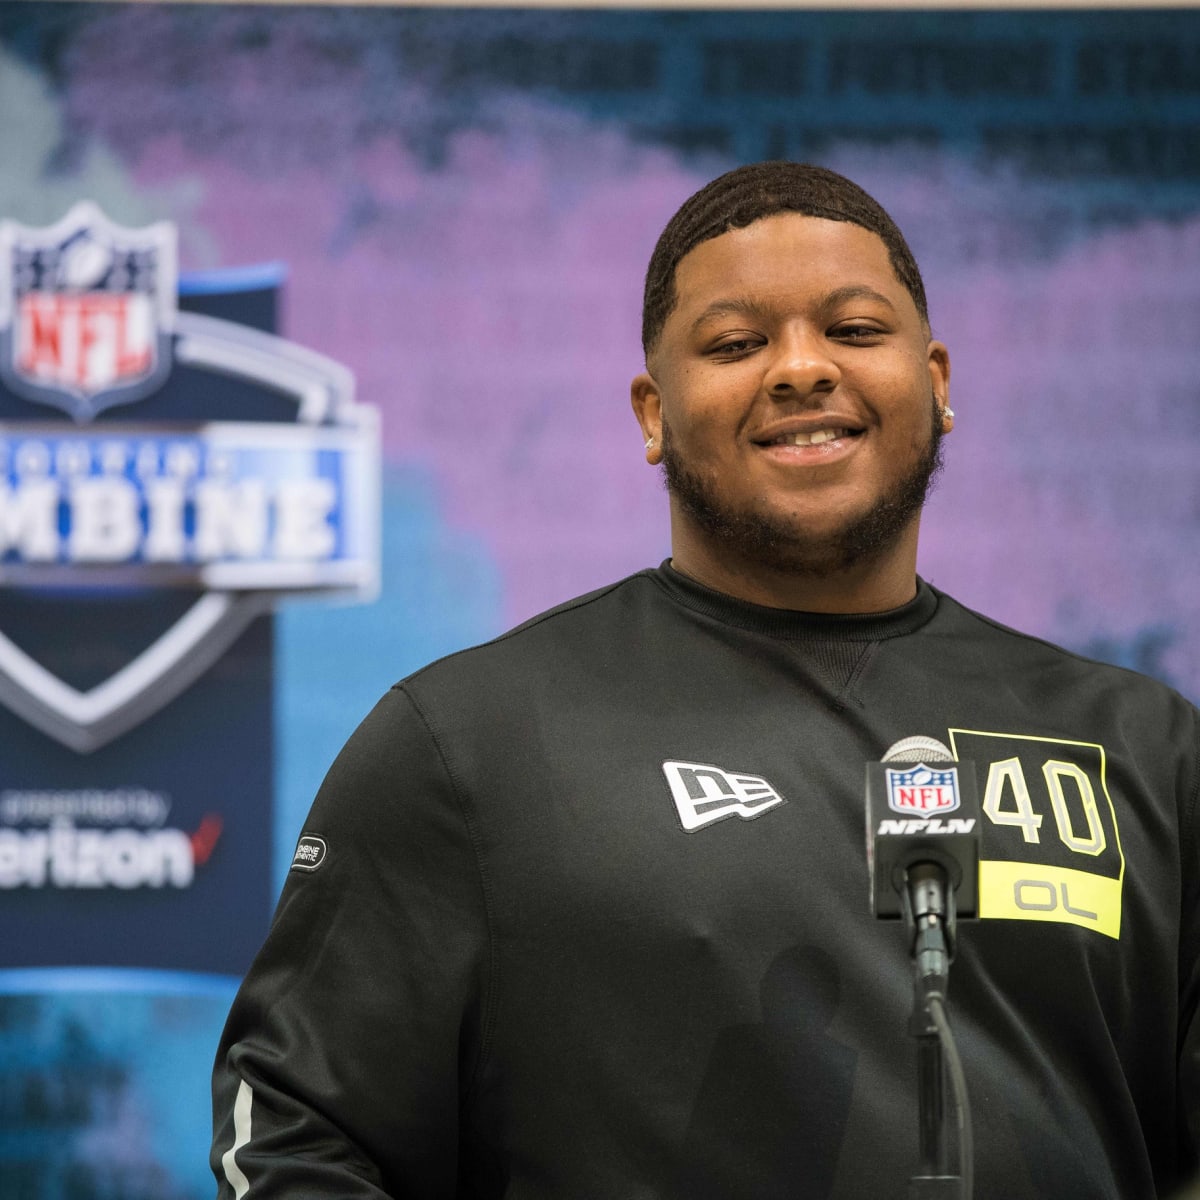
x=796 y=398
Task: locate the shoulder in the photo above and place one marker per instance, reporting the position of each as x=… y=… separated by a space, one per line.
x=1020 y=660
x=547 y=658
x=597 y=617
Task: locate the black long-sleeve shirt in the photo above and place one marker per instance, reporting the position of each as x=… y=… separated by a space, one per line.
x=582 y=913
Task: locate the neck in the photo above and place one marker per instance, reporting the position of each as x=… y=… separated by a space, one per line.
x=885 y=582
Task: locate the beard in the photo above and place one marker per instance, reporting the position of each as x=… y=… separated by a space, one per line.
x=776 y=542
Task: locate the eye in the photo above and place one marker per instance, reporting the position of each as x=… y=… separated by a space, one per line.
x=734 y=345
x=857 y=331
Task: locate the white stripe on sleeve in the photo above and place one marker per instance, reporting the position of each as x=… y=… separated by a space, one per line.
x=241 y=1135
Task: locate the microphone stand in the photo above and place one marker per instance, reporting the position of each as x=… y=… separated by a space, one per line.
x=931 y=919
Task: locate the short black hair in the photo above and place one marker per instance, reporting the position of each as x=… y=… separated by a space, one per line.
x=747 y=194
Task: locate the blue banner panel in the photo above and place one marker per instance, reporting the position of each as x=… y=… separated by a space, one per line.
x=147 y=851
x=167 y=468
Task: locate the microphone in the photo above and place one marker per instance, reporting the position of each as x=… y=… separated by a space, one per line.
x=923 y=853
x=923 y=848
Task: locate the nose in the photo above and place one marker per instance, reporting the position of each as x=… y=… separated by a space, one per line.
x=800 y=365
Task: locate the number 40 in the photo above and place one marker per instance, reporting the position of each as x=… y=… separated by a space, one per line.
x=1006 y=785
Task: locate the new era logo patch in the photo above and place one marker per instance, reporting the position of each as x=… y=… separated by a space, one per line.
x=704 y=794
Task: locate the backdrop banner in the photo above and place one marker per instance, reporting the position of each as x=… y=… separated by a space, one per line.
x=466 y=200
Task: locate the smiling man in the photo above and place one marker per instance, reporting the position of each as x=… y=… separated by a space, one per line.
x=582 y=913
x=798 y=413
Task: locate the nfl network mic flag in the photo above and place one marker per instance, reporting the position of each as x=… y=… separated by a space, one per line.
x=168 y=467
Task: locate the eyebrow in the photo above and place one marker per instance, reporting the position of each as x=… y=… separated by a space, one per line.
x=731 y=307
x=857 y=291
x=735 y=306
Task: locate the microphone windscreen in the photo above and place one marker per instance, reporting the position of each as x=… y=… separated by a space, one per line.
x=918 y=749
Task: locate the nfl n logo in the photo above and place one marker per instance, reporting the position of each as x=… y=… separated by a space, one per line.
x=920 y=790
x=87 y=308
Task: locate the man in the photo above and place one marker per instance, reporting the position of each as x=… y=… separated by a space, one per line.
x=582 y=913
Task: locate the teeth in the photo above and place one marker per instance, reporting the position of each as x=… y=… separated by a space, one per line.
x=812 y=439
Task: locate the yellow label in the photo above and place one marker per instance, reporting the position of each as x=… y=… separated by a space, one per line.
x=1023 y=891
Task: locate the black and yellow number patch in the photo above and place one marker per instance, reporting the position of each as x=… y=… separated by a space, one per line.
x=1051 y=850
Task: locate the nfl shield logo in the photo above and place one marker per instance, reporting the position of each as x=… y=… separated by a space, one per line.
x=922 y=791
x=87 y=308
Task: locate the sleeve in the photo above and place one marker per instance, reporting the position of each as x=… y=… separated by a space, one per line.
x=1189 y=963
x=357 y=1029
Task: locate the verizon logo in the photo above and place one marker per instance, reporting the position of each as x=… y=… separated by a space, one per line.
x=704 y=794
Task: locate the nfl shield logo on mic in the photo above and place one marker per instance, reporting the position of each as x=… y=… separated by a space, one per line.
x=922 y=791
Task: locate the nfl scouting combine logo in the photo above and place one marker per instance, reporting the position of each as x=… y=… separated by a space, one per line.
x=921 y=791
x=95 y=498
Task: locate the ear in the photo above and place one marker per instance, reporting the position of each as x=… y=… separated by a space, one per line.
x=647 y=407
x=939 y=379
